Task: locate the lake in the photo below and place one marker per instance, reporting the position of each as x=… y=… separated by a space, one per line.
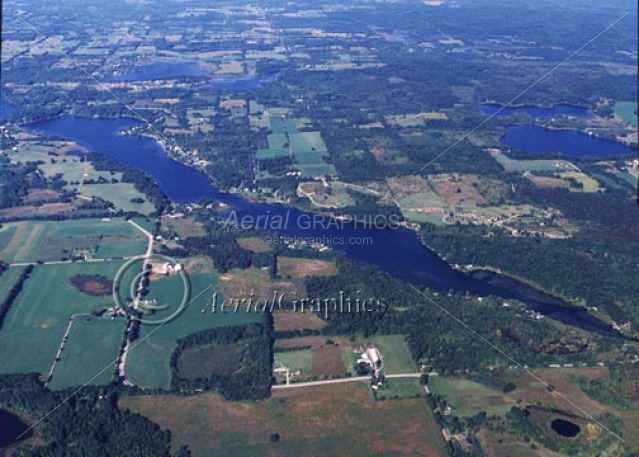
x=6 y=108
x=397 y=252
x=538 y=140
x=238 y=83
x=10 y=428
x=535 y=111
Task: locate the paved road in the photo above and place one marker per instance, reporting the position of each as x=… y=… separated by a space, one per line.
x=351 y=379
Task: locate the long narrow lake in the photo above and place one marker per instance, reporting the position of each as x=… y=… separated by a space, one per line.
x=570 y=143
x=398 y=252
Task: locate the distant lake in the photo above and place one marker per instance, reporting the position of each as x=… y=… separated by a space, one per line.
x=397 y=252
x=239 y=83
x=535 y=111
x=10 y=428
x=6 y=108
x=160 y=70
x=570 y=143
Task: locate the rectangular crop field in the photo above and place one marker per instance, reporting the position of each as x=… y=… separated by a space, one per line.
x=54 y=240
x=351 y=421
x=468 y=398
x=37 y=321
x=90 y=352
x=396 y=355
x=148 y=364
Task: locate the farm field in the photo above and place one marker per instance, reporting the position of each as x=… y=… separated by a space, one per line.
x=254 y=244
x=468 y=398
x=287 y=321
x=8 y=279
x=296 y=267
x=92 y=346
x=396 y=355
x=120 y=194
x=294 y=361
x=400 y=388
x=36 y=322
x=75 y=170
x=33 y=241
x=626 y=110
x=529 y=165
x=349 y=417
x=148 y=363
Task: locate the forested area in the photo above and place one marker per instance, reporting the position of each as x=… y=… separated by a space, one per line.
x=252 y=380
x=88 y=423
x=441 y=342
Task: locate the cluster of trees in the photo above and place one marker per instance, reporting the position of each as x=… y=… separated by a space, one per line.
x=437 y=340
x=16 y=180
x=89 y=423
x=252 y=381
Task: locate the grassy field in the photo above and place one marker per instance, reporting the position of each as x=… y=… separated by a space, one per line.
x=350 y=420
x=92 y=347
x=117 y=246
x=8 y=279
x=397 y=357
x=254 y=244
x=626 y=110
x=287 y=321
x=294 y=361
x=295 y=267
x=400 y=388
x=589 y=184
x=31 y=241
x=120 y=194
x=148 y=364
x=74 y=170
x=467 y=398
x=529 y=165
x=34 y=327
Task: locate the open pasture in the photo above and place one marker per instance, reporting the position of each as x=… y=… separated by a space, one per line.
x=350 y=419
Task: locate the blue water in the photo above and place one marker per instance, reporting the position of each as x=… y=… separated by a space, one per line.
x=10 y=428
x=398 y=252
x=6 y=108
x=239 y=83
x=160 y=70
x=536 y=111
x=570 y=143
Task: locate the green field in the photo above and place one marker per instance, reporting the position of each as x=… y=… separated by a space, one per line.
x=294 y=361
x=468 y=398
x=90 y=352
x=400 y=388
x=148 y=363
x=120 y=194
x=530 y=165
x=626 y=110
x=53 y=240
x=8 y=279
x=111 y=246
x=396 y=355
x=35 y=324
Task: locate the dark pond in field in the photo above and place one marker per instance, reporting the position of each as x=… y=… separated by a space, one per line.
x=160 y=70
x=11 y=427
x=398 y=252
x=565 y=428
x=570 y=143
x=535 y=111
